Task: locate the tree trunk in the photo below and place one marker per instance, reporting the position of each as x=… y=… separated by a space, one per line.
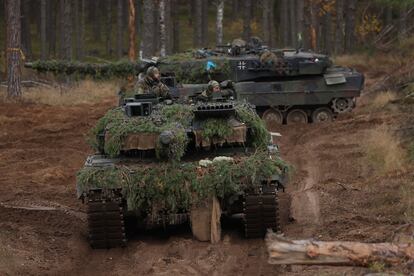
x=13 y=53
x=307 y=39
x=309 y=252
x=43 y=37
x=132 y=35
x=96 y=20
x=314 y=25
x=119 y=29
x=82 y=27
x=219 y=22
x=77 y=26
x=272 y=28
x=51 y=28
x=327 y=32
x=147 y=38
x=292 y=23
x=108 y=27
x=300 y=23
x=204 y=24
x=157 y=41
x=284 y=16
x=339 y=34
x=25 y=29
x=266 y=21
x=163 y=33
x=235 y=6
x=247 y=31
x=66 y=40
x=169 y=26
x=176 y=26
x=350 y=25
x=198 y=23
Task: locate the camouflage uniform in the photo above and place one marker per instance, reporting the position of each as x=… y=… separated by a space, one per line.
x=207 y=95
x=150 y=84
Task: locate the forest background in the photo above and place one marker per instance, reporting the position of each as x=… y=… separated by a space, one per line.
x=97 y=31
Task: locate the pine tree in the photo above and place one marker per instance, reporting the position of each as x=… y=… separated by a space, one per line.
x=13 y=52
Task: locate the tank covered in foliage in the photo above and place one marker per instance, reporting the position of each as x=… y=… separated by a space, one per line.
x=161 y=160
x=285 y=85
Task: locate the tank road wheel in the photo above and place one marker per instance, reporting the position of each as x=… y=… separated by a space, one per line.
x=342 y=105
x=260 y=213
x=322 y=115
x=106 y=224
x=297 y=116
x=273 y=118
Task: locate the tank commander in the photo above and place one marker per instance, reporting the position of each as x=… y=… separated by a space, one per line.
x=214 y=92
x=151 y=83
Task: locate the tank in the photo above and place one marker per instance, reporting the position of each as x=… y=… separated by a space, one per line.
x=159 y=161
x=287 y=86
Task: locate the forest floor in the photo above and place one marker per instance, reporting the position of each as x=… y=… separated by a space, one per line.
x=352 y=180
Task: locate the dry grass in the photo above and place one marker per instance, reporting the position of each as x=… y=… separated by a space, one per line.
x=381 y=100
x=383 y=152
x=86 y=91
x=407 y=192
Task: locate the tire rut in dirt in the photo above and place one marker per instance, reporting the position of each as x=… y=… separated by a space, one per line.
x=261 y=212
x=106 y=224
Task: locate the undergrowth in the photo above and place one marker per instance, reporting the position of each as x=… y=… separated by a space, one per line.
x=83 y=92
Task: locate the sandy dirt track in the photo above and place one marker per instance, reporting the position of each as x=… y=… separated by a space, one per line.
x=43 y=227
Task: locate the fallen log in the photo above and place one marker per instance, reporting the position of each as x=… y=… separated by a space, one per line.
x=309 y=252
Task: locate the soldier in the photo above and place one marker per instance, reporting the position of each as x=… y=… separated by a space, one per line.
x=151 y=83
x=214 y=91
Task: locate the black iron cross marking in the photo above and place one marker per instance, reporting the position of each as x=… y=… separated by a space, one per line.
x=241 y=65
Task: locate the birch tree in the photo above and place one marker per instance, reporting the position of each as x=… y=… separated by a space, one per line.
x=163 y=34
x=219 y=22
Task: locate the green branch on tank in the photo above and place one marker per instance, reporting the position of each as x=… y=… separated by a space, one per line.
x=118 y=126
x=247 y=115
x=175 y=186
x=174 y=117
x=216 y=128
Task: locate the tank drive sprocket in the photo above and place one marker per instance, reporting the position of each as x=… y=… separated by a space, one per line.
x=342 y=105
x=106 y=226
x=261 y=212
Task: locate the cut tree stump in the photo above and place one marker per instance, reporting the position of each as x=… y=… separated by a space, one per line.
x=309 y=252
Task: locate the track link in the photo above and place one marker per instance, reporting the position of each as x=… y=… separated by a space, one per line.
x=261 y=212
x=106 y=224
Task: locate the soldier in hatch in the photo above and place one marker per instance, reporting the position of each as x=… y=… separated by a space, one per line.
x=213 y=92
x=151 y=83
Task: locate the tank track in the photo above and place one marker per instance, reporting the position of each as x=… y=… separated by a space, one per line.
x=106 y=224
x=261 y=212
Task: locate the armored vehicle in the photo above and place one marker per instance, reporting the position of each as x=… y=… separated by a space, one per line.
x=158 y=160
x=285 y=85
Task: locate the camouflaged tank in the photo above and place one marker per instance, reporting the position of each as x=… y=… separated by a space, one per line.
x=158 y=161
x=286 y=85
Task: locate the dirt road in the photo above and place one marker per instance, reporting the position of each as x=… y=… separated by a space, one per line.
x=43 y=228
